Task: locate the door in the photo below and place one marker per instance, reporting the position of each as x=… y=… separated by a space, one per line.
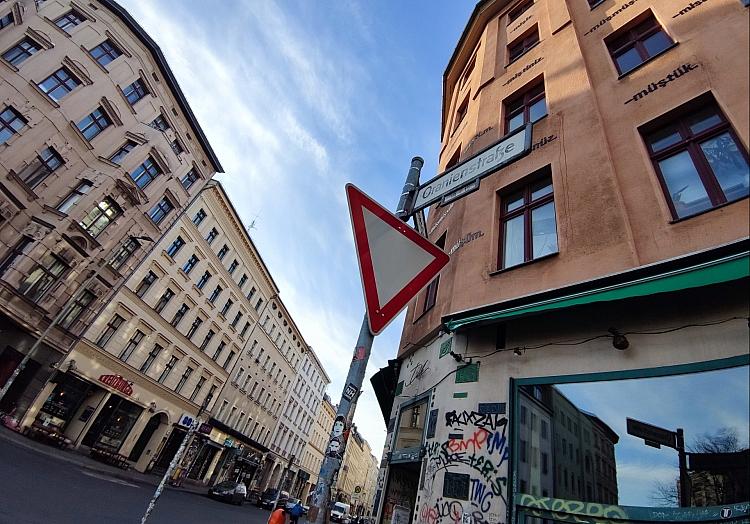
x=101 y=421
x=145 y=437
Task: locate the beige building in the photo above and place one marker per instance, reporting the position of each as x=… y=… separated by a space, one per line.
x=606 y=239
x=355 y=474
x=100 y=154
x=319 y=436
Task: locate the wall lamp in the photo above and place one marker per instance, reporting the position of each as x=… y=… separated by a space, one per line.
x=457 y=357
x=619 y=340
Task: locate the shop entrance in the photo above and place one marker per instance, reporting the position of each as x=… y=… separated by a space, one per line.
x=206 y=454
x=168 y=451
x=9 y=360
x=113 y=424
x=401 y=492
x=146 y=435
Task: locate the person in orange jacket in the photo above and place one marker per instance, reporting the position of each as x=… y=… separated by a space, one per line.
x=278 y=516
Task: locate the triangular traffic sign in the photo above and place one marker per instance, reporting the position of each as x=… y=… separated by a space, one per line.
x=395 y=262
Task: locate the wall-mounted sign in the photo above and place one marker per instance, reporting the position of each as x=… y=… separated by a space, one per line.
x=350 y=391
x=459 y=193
x=543 y=142
x=186 y=420
x=117 y=382
x=471 y=237
x=659 y=84
x=507 y=150
x=205 y=428
x=522 y=71
x=610 y=17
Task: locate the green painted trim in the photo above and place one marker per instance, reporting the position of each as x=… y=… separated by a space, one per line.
x=462 y=394
x=677 y=369
x=722 y=270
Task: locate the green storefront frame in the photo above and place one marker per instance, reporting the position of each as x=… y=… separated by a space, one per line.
x=524 y=506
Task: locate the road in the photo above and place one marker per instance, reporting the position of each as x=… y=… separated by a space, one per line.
x=37 y=489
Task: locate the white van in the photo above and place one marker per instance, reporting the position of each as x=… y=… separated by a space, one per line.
x=340 y=513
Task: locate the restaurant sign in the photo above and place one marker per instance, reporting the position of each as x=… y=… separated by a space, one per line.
x=117 y=382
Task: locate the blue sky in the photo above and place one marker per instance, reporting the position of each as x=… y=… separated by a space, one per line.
x=299 y=98
x=699 y=403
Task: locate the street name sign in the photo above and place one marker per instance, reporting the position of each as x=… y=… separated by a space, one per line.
x=395 y=262
x=509 y=149
x=653 y=435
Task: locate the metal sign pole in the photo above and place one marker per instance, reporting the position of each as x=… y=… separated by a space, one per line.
x=345 y=413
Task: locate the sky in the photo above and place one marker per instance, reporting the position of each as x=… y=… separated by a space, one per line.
x=699 y=403
x=298 y=98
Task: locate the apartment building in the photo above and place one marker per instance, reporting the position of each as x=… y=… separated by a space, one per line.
x=605 y=236
x=319 y=437
x=100 y=154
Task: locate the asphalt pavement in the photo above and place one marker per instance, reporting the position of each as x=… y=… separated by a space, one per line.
x=42 y=489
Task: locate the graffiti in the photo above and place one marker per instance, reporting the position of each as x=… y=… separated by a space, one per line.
x=481 y=497
x=451 y=511
x=569 y=510
x=491 y=421
x=338 y=438
x=418 y=372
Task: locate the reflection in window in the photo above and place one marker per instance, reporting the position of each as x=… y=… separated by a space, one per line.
x=411 y=426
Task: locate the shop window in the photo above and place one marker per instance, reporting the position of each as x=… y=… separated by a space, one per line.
x=523 y=45
x=700 y=162
x=631 y=46
x=528 y=226
x=526 y=107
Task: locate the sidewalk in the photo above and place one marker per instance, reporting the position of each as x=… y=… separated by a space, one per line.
x=77 y=458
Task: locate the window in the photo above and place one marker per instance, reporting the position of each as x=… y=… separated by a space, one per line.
x=94 y=123
x=145 y=173
x=122 y=152
x=258 y=304
x=212 y=236
x=190 y=178
x=244 y=329
x=242 y=281
x=112 y=326
x=524 y=457
x=18 y=250
x=175 y=246
x=223 y=252
x=226 y=307
x=520 y=9
x=6 y=20
x=194 y=327
x=160 y=210
x=523 y=415
x=11 y=122
x=467 y=72
x=160 y=123
x=59 y=84
x=544 y=429
x=207 y=339
x=122 y=255
x=522 y=45
x=215 y=294
x=190 y=264
x=461 y=112
x=199 y=217
x=630 y=47
x=48 y=161
x=135 y=91
x=101 y=216
x=177 y=148
x=197 y=388
x=251 y=293
x=203 y=280
x=74 y=196
x=525 y=108
x=432 y=288
x=179 y=315
x=164 y=300
x=219 y=349
x=233 y=266
x=146 y=283
x=528 y=224
x=699 y=160
x=237 y=319
x=80 y=305
x=228 y=360
x=184 y=378
x=18 y=54
x=133 y=343
x=69 y=20
x=167 y=369
x=105 y=52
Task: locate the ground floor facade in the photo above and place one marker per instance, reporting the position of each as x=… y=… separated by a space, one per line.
x=491 y=422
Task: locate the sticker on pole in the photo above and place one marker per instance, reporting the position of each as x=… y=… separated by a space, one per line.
x=395 y=262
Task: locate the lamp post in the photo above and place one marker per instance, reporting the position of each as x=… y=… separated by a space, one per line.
x=55 y=321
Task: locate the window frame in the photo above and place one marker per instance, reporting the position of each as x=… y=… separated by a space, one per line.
x=21 y=51
x=122 y=152
x=515 y=13
x=109 y=330
x=189 y=179
x=525 y=210
x=133 y=343
x=162 y=209
x=98 y=120
x=37 y=289
x=124 y=253
x=632 y=37
x=529 y=96
x=102 y=220
x=10 y=125
x=114 y=52
x=525 y=43
x=7 y=20
x=146 y=172
x=74 y=196
x=60 y=82
x=135 y=91
x=690 y=142
x=72 y=18
x=46 y=167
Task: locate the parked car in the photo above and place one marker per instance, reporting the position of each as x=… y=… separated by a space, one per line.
x=229 y=491
x=269 y=495
x=340 y=513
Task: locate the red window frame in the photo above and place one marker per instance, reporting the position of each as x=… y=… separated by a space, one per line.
x=628 y=38
x=522 y=103
x=690 y=142
x=529 y=204
x=523 y=45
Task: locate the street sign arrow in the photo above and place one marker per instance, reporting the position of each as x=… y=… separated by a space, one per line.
x=395 y=262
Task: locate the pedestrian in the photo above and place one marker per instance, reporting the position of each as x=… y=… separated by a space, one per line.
x=278 y=516
x=296 y=512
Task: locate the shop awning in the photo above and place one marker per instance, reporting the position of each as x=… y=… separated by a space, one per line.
x=236 y=434
x=723 y=264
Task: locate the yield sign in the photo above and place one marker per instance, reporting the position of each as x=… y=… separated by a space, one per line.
x=395 y=262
